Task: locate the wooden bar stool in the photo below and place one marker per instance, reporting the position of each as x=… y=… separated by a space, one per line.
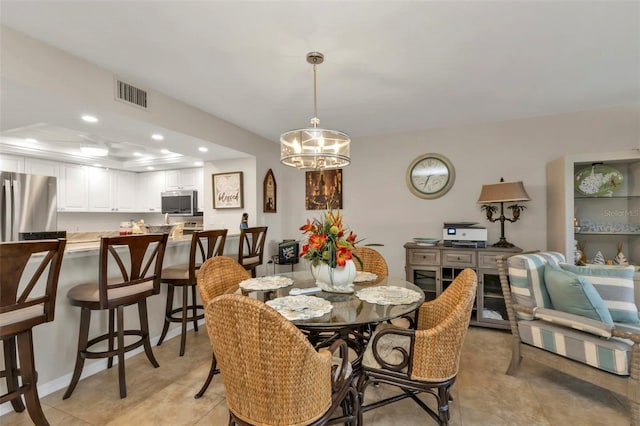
x=251 y=248
x=204 y=245
x=144 y=255
x=23 y=305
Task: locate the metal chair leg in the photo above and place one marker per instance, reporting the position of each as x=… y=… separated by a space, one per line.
x=212 y=372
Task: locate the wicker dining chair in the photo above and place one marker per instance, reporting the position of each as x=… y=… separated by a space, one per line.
x=372 y=261
x=216 y=276
x=204 y=245
x=425 y=359
x=28 y=288
x=272 y=375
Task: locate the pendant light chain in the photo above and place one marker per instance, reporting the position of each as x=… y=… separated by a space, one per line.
x=315 y=120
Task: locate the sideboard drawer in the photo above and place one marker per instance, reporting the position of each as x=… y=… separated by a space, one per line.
x=424 y=257
x=488 y=259
x=459 y=258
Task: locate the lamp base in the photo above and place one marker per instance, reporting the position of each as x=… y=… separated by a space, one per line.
x=503 y=243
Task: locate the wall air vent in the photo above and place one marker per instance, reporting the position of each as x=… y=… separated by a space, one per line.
x=131 y=94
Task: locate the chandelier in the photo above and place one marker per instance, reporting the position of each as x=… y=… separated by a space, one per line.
x=315 y=148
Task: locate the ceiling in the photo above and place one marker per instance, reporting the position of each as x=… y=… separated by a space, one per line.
x=390 y=66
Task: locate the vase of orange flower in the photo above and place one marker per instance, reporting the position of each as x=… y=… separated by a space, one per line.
x=329 y=248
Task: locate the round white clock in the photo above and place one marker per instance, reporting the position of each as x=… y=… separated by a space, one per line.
x=430 y=176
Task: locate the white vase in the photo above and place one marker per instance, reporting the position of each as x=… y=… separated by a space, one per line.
x=335 y=280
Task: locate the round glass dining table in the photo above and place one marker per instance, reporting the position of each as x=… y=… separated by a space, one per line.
x=351 y=318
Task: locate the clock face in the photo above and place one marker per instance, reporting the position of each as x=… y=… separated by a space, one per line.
x=430 y=176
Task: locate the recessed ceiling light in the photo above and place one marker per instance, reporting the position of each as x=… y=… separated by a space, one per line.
x=203 y=149
x=137 y=154
x=165 y=151
x=198 y=163
x=97 y=165
x=157 y=137
x=150 y=168
x=90 y=118
x=31 y=140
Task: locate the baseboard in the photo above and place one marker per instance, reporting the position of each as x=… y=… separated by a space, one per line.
x=62 y=382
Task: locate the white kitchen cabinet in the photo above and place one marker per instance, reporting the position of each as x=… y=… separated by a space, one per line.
x=149 y=186
x=184 y=179
x=123 y=191
x=37 y=166
x=73 y=189
x=11 y=163
x=99 y=189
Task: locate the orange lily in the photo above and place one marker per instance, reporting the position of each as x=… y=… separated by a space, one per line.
x=342 y=255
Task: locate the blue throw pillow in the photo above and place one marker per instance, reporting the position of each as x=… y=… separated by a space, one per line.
x=615 y=285
x=574 y=294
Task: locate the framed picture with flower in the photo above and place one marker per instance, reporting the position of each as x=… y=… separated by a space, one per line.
x=323 y=189
x=227 y=190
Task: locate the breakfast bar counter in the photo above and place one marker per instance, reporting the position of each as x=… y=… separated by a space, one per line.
x=56 y=342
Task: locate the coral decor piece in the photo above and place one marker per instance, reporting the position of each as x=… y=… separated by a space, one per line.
x=329 y=248
x=598 y=259
x=620 y=258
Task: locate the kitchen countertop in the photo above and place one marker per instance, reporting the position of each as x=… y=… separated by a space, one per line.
x=80 y=242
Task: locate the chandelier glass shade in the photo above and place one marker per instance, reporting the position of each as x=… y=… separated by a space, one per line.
x=315 y=148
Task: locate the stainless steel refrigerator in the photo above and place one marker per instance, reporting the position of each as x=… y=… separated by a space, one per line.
x=28 y=207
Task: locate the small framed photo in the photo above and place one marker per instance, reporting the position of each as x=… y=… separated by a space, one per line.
x=269 y=193
x=227 y=190
x=323 y=189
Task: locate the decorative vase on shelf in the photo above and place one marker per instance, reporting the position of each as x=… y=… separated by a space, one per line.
x=335 y=280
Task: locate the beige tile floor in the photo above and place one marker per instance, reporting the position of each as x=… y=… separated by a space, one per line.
x=483 y=394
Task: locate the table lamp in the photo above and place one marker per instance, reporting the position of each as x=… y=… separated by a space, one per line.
x=502 y=192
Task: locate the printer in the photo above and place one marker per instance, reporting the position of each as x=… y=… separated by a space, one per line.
x=464 y=234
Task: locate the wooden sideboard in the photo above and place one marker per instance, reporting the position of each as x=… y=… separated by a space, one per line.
x=433 y=268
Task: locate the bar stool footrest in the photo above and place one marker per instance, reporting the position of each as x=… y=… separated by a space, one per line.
x=172 y=318
x=86 y=353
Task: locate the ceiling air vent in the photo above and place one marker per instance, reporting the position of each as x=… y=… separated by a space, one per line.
x=131 y=94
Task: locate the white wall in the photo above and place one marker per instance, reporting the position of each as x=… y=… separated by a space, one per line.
x=377 y=204
x=379 y=207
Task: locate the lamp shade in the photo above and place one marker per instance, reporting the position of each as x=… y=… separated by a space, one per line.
x=315 y=148
x=503 y=192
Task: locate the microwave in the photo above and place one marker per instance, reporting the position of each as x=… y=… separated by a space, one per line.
x=180 y=203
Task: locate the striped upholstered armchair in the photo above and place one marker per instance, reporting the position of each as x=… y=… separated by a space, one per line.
x=581 y=320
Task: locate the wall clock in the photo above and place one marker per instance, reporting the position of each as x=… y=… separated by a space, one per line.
x=430 y=176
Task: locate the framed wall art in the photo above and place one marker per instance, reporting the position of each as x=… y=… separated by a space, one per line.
x=227 y=190
x=269 y=193
x=323 y=189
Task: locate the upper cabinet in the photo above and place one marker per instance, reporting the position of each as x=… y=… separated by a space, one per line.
x=149 y=186
x=96 y=189
x=99 y=194
x=184 y=179
x=73 y=189
x=11 y=163
x=36 y=166
x=593 y=204
x=123 y=191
